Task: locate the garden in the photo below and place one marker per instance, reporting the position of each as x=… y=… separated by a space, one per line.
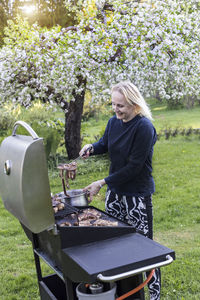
x=58 y=79
x=176 y=167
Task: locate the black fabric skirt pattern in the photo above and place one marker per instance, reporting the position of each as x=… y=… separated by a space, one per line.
x=138 y=212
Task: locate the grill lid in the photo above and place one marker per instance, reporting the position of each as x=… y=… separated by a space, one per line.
x=24 y=182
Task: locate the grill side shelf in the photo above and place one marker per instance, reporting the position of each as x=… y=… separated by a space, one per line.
x=118 y=255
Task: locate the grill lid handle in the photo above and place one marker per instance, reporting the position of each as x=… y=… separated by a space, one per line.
x=124 y=275
x=27 y=127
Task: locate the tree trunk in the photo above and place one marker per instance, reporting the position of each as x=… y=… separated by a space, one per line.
x=73 y=123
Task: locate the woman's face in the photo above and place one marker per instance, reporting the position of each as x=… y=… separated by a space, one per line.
x=123 y=110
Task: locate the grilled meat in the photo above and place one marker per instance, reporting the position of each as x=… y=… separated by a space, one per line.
x=101 y=222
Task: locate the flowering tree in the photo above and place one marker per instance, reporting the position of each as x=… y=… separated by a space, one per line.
x=154 y=45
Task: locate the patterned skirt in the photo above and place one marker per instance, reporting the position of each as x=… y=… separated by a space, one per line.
x=138 y=212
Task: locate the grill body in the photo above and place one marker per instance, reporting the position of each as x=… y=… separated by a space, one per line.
x=24 y=184
x=114 y=252
x=75 y=254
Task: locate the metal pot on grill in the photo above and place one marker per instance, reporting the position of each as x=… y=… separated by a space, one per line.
x=77 y=197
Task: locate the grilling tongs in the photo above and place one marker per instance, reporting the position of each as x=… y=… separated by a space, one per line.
x=81 y=156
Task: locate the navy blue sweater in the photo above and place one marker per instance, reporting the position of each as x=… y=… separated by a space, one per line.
x=130 y=147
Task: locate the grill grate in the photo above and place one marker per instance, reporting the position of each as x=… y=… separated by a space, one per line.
x=68 y=210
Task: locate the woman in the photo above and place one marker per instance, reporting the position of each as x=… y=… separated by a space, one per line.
x=129 y=139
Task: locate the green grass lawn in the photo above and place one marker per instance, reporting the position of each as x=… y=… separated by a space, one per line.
x=176 y=212
x=182 y=118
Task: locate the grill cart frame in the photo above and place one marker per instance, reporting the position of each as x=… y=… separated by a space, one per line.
x=87 y=254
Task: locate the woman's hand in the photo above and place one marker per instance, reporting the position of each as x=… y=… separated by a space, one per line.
x=94 y=188
x=86 y=150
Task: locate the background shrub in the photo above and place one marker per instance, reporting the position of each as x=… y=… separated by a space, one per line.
x=47 y=123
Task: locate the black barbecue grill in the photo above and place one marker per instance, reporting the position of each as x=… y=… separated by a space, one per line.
x=76 y=254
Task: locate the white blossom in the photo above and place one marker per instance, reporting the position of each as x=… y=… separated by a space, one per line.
x=157 y=45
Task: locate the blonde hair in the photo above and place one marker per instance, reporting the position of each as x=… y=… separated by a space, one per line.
x=133 y=97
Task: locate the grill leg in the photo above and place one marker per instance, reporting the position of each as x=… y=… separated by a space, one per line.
x=37 y=259
x=70 y=289
x=37 y=266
